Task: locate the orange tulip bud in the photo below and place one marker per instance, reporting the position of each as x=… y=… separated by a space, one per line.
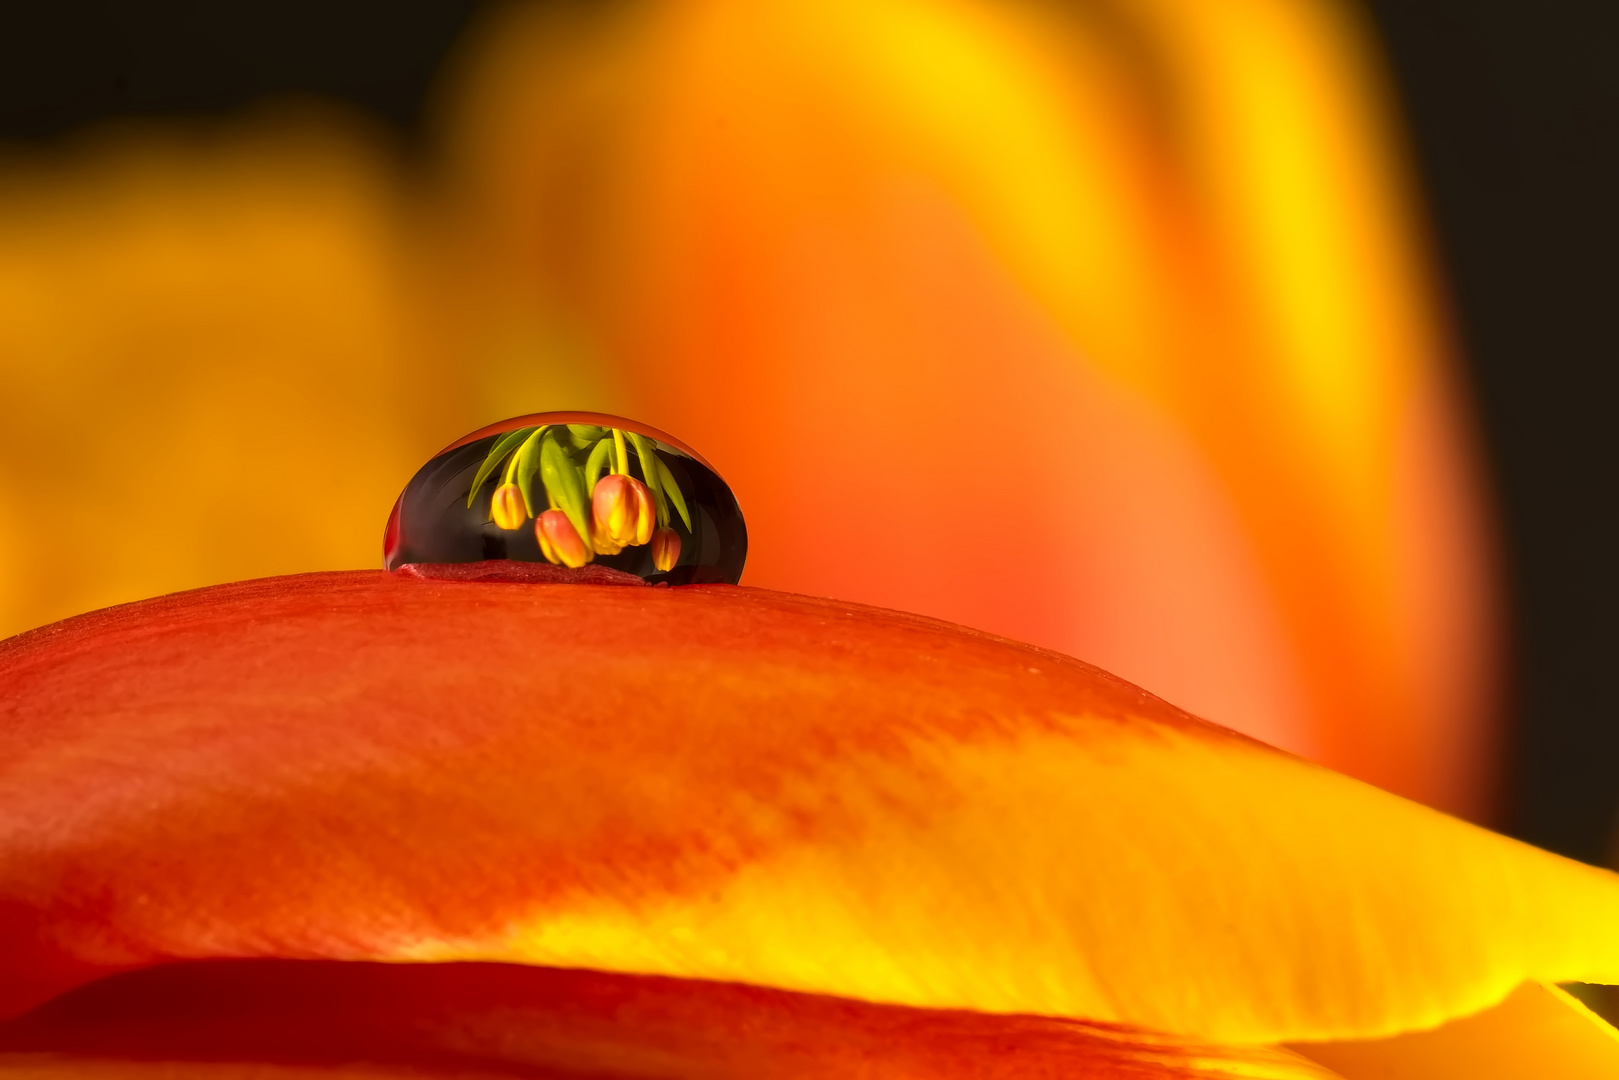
x=559 y=540
x=623 y=509
x=665 y=549
x=507 y=507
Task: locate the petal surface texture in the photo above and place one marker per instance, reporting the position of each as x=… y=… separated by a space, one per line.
x=731 y=784
x=505 y=1020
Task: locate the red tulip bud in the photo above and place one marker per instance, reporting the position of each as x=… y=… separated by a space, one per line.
x=507 y=507
x=623 y=509
x=665 y=549
x=559 y=540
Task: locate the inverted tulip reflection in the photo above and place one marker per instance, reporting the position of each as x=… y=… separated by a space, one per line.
x=1102 y=327
x=575 y=474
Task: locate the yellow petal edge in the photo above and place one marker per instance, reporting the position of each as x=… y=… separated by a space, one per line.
x=1538 y=1031
x=1208 y=887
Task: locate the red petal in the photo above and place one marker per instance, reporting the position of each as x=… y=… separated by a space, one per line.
x=499 y=1019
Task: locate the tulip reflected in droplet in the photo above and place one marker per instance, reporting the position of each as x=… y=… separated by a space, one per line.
x=559 y=541
x=506 y=507
x=665 y=549
x=611 y=494
x=623 y=509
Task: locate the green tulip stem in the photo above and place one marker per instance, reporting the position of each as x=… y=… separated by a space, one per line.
x=621 y=464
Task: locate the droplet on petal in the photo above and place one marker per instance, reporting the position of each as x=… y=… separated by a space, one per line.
x=629 y=501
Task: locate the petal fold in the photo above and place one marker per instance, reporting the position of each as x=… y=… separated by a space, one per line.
x=1537 y=1031
x=507 y=1020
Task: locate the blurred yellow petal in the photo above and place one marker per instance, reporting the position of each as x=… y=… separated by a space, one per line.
x=213 y=361
x=1336 y=419
x=1139 y=278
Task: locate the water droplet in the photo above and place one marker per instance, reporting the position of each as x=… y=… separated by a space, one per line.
x=565 y=496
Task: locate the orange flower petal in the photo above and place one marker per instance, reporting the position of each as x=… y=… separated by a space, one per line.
x=1140 y=284
x=487 y=1018
x=732 y=784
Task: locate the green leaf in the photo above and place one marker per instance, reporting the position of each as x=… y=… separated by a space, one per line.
x=649 y=468
x=672 y=488
x=565 y=482
x=597 y=464
x=582 y=436
x=527 y=463
x=496 y=453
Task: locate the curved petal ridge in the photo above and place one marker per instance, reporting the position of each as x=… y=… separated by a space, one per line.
x=509 y=1020
x=1537 y=1031
x=728 y=784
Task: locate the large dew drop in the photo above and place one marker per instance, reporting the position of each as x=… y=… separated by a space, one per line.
x=575 y=497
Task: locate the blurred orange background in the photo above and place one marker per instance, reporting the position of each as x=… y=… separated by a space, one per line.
x=1109 y=328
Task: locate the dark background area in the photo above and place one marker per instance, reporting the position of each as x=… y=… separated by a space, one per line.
x=67 y=62
x=1512 y=107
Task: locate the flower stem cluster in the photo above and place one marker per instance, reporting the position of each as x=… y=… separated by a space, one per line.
x=615 y=511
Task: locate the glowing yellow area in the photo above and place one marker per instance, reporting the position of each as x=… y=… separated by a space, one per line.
x=1213 y=889
x=1538 y=1031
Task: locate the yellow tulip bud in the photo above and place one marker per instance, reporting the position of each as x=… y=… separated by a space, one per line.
x=507 y=507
